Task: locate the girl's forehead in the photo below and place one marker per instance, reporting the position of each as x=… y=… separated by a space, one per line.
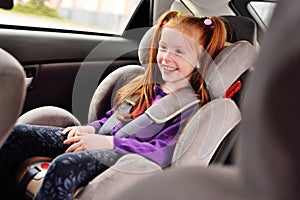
x=172 y=35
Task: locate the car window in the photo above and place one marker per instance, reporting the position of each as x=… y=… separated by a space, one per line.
x=262 y=12
x=102 y=16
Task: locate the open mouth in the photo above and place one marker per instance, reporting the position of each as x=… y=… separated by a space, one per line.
x=170 y=69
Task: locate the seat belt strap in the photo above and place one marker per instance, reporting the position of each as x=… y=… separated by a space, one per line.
x=113 y=120
x=155 y=116
x=30 y=173
x=171 y=105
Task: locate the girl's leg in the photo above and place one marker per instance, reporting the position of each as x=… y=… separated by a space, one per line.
x=27 y=141
x=69 y=171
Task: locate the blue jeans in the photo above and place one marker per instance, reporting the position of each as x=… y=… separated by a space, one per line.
x=67 y=172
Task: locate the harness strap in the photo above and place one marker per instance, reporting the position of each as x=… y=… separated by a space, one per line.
x=113 y=120
x=171 y=105
x=155 y=116
x=30 y=173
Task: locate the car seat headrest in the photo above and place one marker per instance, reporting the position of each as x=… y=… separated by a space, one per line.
x=227 y=67
x=144 y=47
x=240 y=28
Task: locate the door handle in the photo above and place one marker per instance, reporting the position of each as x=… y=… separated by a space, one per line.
x=28 y=81
x=31 y=74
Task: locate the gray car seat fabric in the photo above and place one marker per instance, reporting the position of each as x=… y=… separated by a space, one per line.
x=126 y=172
x=202 y=8
x=204 y=133
x=54 y=117
x=104 y=94
x=228 y=66
x=12 y=92
x=268 y=153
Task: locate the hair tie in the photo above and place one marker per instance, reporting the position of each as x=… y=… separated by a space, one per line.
x=207 y=21
x=179 y=14
x=164 y=22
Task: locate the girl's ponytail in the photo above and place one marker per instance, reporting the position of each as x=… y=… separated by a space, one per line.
x=213 y=39
x=218 y=38
x=166 y=17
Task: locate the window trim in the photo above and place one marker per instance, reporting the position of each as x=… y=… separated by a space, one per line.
x=84 y=32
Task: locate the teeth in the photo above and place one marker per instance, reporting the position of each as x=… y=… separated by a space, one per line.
x=169 y=68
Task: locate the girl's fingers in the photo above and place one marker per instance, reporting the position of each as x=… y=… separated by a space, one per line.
x=74 y=147
x=82 y=134
x=72 y=133
x=71 y=140
x=66 y=130
x=80 y=148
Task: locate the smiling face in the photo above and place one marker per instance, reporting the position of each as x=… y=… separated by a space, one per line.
x=177 y=58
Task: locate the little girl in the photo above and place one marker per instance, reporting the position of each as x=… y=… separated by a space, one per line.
x=181 y=48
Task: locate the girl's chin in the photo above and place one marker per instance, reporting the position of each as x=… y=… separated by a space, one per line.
x=169 y=80
x=171 y=77
x=180 y=80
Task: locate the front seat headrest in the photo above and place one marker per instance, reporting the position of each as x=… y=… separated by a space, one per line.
x=12 y=92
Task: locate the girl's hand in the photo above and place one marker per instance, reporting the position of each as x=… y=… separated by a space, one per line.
x=75 y=130
x=82 y=142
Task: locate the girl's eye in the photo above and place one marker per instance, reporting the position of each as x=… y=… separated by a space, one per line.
x=178 y=51
x=162 y=47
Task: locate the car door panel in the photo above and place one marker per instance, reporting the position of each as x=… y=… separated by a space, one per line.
x=52 y=60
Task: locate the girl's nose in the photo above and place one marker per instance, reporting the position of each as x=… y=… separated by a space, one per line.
x=167 y=56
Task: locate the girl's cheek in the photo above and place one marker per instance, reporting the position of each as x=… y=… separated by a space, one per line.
x=158 y=58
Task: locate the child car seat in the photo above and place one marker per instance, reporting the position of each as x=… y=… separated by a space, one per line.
x=269 y=156
x=230 y=64
x=200 y=137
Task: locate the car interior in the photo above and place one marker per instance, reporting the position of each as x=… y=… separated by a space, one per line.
x=229 y=65
x=268 y=158
x=57 y=67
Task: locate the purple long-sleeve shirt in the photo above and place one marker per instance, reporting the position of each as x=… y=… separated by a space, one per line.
x=159 y=147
